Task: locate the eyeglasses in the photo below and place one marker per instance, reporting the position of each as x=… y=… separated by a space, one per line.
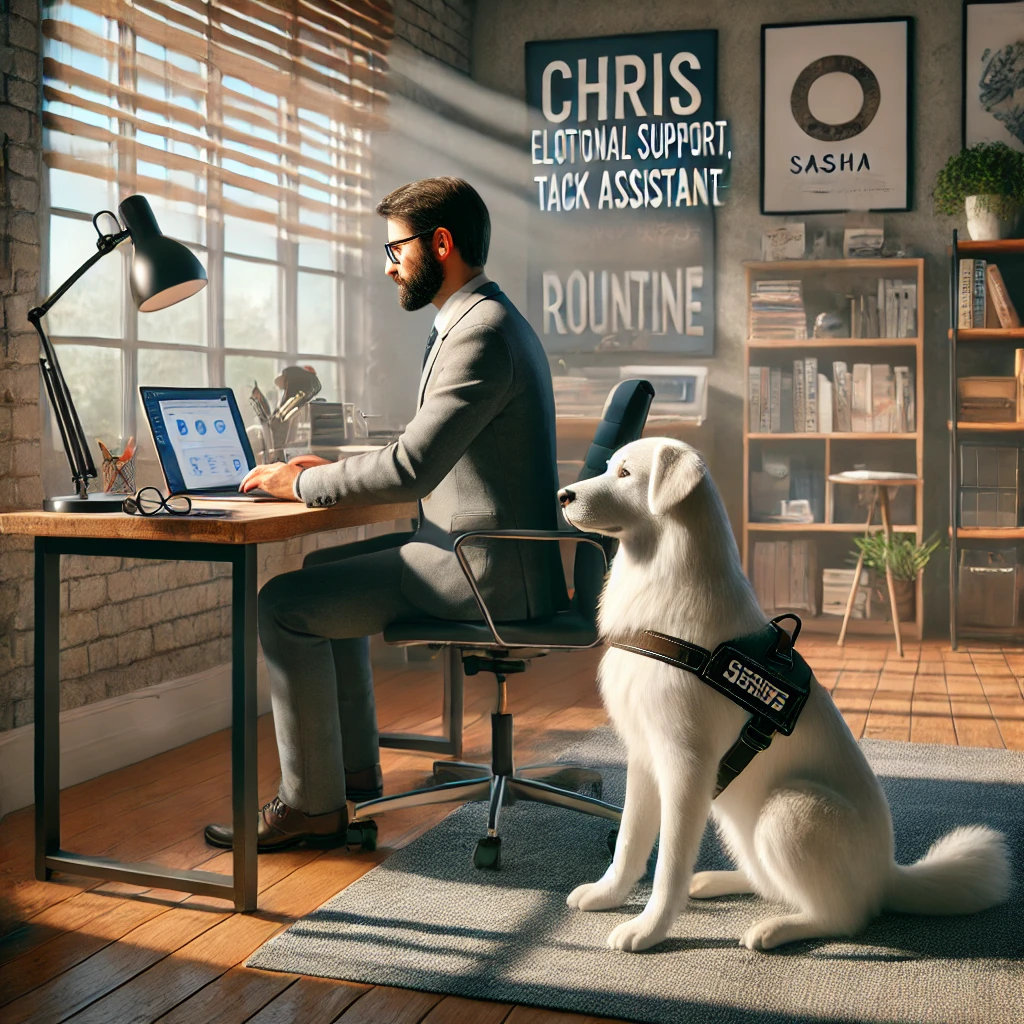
x=389 y=247
x=150 y=502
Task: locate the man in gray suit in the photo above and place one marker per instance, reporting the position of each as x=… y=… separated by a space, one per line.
x=478 y=454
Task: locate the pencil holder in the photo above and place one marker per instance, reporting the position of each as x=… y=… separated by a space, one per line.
x=119 y=474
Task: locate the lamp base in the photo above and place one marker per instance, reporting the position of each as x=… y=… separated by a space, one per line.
x=91 y=503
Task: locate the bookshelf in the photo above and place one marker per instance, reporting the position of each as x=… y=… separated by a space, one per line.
x=823 y=283
x=984 y=350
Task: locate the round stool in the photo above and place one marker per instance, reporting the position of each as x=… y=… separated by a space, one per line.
x=881 y=481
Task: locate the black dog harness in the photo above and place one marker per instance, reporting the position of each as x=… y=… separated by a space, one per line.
x=762 y=672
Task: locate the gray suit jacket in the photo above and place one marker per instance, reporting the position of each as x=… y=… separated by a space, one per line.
x=479 y=455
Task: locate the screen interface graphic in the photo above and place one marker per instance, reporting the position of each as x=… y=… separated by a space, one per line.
x=201 y=432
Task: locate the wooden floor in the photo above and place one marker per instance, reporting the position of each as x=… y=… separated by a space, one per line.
x=76 y=949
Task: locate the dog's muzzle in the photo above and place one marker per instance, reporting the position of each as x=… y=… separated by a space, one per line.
x=566 y=496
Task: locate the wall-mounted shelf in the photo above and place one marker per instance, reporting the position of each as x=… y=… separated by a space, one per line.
x=835 y=343
x=839 y=435
x=990 y=334
x=755 y=527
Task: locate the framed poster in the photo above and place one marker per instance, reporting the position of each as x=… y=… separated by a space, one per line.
x=835 y=116
x=628 y=160
x=993 y=63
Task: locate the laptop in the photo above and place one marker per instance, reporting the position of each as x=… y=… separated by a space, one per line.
x=201 y=442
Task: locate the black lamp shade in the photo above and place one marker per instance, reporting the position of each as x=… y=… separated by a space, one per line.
x=163 y=271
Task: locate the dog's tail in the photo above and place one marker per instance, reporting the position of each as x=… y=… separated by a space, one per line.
x=963 y=872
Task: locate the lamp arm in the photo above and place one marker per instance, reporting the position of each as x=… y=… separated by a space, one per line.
x=76 y=446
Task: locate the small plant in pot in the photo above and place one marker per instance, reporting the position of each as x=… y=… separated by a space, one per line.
x=986 y=181
x=905 y=557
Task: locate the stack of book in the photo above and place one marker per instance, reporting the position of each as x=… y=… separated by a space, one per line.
x=785 y=575
x=983 y=300
x=777 y=311
x=874 y=398
x=835 y=592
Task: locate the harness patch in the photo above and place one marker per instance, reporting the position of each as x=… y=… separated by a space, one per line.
x=745 y=678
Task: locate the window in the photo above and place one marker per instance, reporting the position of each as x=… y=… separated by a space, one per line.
x=246 y=124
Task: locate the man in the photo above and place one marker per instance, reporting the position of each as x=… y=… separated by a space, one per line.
x=478 y=454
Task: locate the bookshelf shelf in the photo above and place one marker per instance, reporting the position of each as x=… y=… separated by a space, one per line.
x=771 y=343
x=754 y=527
x=993 y=533
x=827 y=543
x=970 y=427
x=840 y=435
x=985 y=297
x=989 y=334
x=1005 y=246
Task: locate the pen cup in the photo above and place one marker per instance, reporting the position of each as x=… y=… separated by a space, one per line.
x=118 y=474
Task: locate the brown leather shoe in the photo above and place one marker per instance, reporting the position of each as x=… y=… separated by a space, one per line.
x=281 y=827
x=367 y=784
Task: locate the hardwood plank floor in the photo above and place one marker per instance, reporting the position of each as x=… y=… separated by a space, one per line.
x=82 y=950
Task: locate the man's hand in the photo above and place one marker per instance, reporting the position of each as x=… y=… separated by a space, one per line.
x=277 y=478
x=307 y=461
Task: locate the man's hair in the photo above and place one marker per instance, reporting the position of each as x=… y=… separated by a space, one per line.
x=444 y=203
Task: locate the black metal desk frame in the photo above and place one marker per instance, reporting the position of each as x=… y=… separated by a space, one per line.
x=240 y=886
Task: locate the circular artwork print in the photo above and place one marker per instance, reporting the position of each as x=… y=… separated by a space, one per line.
x=841 y=64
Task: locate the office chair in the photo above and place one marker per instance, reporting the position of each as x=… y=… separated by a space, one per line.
x=486 y=646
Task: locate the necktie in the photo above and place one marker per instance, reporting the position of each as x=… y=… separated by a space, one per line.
x=430 y=344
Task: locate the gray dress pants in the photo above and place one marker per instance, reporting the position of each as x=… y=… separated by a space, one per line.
x=315 y=626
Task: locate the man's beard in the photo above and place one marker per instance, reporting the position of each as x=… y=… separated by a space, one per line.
x=420 y=287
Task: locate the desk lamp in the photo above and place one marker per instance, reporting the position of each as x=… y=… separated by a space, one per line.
x=163 y=272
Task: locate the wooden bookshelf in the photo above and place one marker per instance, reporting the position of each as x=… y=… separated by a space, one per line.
x=1008 y=255
x=833 y=452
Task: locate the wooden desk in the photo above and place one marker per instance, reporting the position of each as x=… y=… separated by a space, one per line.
x=191 y=539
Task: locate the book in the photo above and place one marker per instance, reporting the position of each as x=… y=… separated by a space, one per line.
x=786 y=403
x=810 y=395
x=904 y=418
x=1018 y=372
x=754 y=398
x=883 y=398
x=1005 y=311
x=978 y=295
x=782 y=573
x=860 y=399
x=907 y=310
x=775 y=401
x=765 y=426
x=964 y=295
x=824 y=404
x=841 y=396
x=835 y=592
x=798 y=396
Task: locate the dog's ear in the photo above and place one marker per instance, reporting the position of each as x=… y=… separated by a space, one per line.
x=675 y=471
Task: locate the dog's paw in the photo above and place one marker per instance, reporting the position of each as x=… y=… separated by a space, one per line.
x=594 y=896
x=640 y=933
x=776 y=931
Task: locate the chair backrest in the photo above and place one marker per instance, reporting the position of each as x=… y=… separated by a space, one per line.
x=622 y=420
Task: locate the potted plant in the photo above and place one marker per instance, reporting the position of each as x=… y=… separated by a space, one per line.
x=904 y=557
x=986 y=180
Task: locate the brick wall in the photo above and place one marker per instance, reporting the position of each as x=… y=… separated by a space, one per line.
x=438 y=28
x=20 y=486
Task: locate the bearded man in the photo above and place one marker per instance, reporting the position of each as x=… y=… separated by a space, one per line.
x=478 y=455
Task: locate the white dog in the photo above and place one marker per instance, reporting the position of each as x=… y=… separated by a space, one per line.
x=806 y=822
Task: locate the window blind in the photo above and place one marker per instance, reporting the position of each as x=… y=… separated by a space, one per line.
x=250 y=109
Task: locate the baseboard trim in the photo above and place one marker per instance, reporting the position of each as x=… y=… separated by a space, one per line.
x=111 y=734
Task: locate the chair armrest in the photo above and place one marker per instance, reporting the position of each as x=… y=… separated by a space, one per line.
x=576 y=536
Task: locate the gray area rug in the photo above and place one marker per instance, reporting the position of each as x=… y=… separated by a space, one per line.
x=426 y=919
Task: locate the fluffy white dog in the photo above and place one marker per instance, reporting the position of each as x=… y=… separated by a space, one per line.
x=806 y=823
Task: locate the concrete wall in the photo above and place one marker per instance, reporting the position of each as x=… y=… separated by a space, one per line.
x=502 y=27
x=126 y=623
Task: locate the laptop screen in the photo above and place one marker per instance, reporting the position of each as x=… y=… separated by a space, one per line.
x=199 y=437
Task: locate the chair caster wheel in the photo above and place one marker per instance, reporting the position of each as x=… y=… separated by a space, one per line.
x=487 y=854
x=362 y=835
x=612 y=837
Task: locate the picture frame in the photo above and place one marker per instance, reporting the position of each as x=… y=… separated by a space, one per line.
x=859 y=72
x=993 y=44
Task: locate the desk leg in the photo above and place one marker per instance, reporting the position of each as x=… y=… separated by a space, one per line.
x=47 y=706
x=244 y=793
